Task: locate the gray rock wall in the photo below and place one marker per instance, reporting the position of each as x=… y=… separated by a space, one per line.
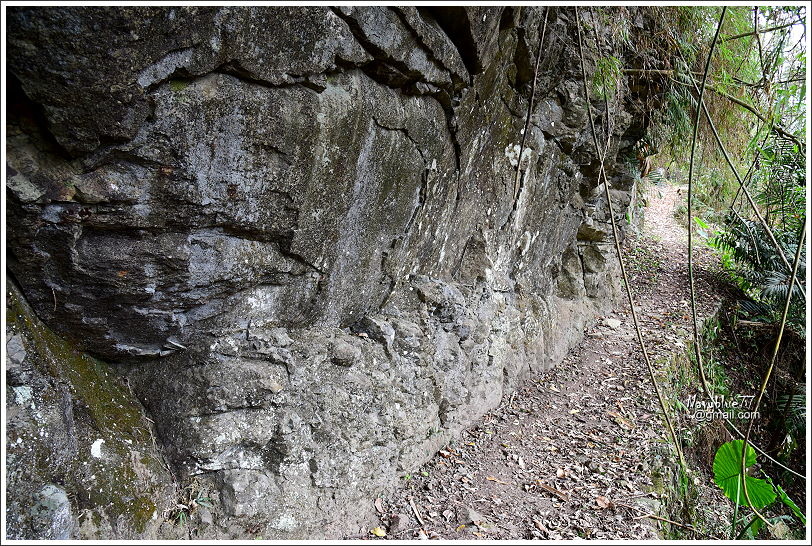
x=297 y=232
x=81 y=456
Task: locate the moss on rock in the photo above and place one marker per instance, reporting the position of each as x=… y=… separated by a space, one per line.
x=77 y=426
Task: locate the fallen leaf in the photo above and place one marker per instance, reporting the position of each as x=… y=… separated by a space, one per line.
x=560 y=494
x=540 y=526
x=497 y=480
x=378 y=532
x=603 y=502
x=560 y=473
x=552 y=388
x=460 y=527
x=620 y=420
x=379 y=505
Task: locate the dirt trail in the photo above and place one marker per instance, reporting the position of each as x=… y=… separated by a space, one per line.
x=570 y=454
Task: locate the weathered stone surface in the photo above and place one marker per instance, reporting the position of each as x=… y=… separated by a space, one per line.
x=299 y=234
x=81 y=459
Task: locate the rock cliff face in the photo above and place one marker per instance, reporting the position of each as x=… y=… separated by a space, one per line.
x=297 y=235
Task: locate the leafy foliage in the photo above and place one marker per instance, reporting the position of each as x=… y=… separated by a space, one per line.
x=789 y=502
x=781 y=182
x=756 y=266
x=727 y=473
x=606 y=78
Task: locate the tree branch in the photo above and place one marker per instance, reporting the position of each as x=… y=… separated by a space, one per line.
x=752 y=109
x=749 y=107
x=762 y=31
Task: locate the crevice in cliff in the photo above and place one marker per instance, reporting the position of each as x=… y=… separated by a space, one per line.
x=561 y=146
x=234 y=69
x=157 y=441
x=451 y=123
x=522 y=60
x=421 y=199
x=457 y=82
x=405 y=132
x=509 y=108
x=285 y=250
x=394 y=74
x=454 y=22
x=423 y=192
x=383 y=68
x=30 y=117
x=106 y=155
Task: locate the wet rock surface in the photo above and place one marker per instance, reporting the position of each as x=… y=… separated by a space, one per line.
x=298 y=233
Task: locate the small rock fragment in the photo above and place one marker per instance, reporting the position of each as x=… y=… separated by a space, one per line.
x=15 y=349
x=614 y=324
x=398 y=523
x=345 y=354
x=95 y=449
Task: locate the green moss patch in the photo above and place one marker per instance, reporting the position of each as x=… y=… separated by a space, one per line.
x=129 y=481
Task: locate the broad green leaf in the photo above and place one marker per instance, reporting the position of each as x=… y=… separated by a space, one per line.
x=759 y=523
x=728 y=475
x=752 y=529
x=789 y=502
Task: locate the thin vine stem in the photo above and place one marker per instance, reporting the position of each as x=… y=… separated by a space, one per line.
x=697 y=346
x=744 y=190
x=602 y=174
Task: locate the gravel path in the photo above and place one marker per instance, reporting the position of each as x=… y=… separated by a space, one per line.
x=570 y=454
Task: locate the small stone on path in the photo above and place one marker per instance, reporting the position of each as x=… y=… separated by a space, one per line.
x=614 y=324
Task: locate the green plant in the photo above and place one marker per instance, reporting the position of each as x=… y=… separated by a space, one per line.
x=788 y=502
x=756 y=267
x=192 y=496
x=703 y=228
x=178 y=85
x=606 y=78
x=727 y=474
